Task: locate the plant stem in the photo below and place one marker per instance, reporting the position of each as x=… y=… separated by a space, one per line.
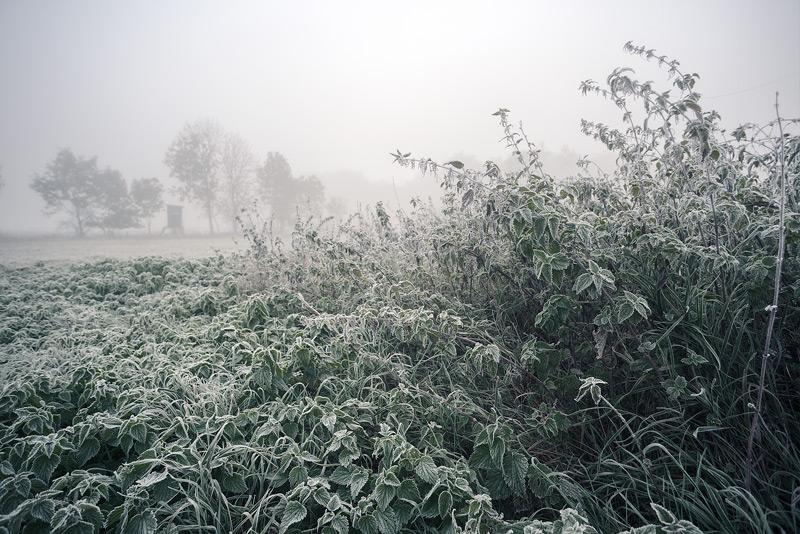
x=716 y=235
x=773 y=310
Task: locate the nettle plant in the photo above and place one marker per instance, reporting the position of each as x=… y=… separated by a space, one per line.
x=653 y=280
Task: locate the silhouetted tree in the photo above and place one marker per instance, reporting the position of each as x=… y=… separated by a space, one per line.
x=91 y=197
x=194 y=159
x=236 y=167
x=146 y=196
x=115 y=206
x=277 y=188
x=69 y=184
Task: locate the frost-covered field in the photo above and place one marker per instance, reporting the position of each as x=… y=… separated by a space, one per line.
x=27 y=250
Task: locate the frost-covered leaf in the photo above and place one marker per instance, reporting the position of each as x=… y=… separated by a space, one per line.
x=43 y=466
x=367 y=524
x=445 y=503
x=144 y=523
x=384 y=494
x=42 y=509
x=664 y=516
x=515 y=467
x=153 y=477
x=426 y=470
x=583 y=282
x=84 y=527
x=497 y=450
x=481 y=457
x=386 y=521
x=234 y=483
x=138 y=431
x=298 y=475
x=88 y=450
x=358 y=480
x=22 y=485
x=293 y=513
x=341 y=475
x=408 y=490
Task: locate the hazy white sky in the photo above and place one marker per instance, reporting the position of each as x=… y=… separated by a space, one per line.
x=338 y=85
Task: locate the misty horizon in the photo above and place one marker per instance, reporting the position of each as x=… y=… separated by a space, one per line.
x=336 y=87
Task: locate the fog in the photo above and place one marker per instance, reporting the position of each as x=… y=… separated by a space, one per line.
x=336 y=86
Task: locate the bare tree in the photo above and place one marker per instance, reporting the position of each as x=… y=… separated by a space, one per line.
x=194 y=159
x=237 y=166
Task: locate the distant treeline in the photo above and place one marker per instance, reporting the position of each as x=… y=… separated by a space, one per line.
x=215 y=170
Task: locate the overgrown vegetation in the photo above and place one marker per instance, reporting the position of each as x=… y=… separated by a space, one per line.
x=536 y=356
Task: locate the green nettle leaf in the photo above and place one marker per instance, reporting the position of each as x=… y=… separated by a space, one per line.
x=138 y=431
x=329 y=420
x=126 y=442
x=384 y=494
x=84 y=527
x=539 y=479
x=408 y=491
x=583 y=281
x=340 y=524
x=386 y=521
x=552 y=226
x=235 y=483
x=445 y=503
x=144 y=523
x=115 y=515
x=91 y=513
x=334 y=503
x=426 y=470
x=348 y=456
x=342 y=475
x=624 y=312
x=43 y=509
x=43 y=466
x=88 y=450
x=676 y=387
x=456 y=164
x=22 y=485
x=165 y=490
x=367 y=524
x=263 y=376
x=298 y=475
x=151 y=478
x=6 y=468
x=358 y=480
x=293 y=513
x=481 y=457
x=693 y=359
x=391 y=479
x=515 y=467
x=497 y=449
x=664 y=515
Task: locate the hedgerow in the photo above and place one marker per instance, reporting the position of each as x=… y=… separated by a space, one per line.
x=536 y=355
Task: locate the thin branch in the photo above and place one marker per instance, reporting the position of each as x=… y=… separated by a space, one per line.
x=773 y=310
